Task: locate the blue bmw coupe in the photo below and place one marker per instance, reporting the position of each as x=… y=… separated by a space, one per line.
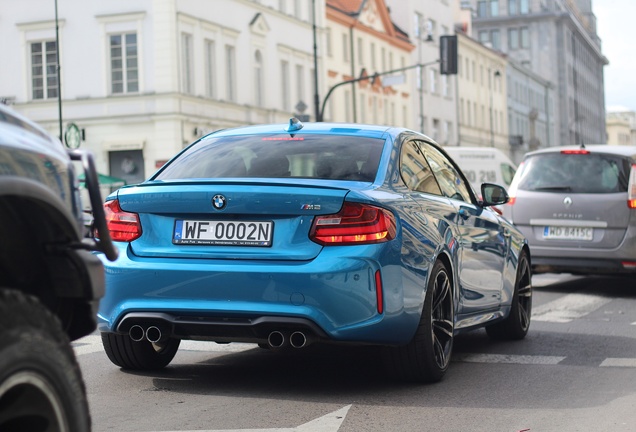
x=288 y=235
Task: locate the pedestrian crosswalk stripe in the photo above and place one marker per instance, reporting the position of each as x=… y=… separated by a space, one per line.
x=507 y=358
x=619 y=362
x=568 y=308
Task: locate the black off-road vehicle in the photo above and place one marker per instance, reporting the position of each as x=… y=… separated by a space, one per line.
x=50 y=281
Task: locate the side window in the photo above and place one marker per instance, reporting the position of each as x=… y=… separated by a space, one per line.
x=508 y=173
x=415 y=171
x=450 y=182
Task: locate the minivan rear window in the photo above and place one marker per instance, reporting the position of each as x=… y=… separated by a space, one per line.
x=333 y=157
x=592 y=173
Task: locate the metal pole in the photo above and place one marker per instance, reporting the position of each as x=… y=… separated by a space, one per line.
x=316 y=97
x=362 y=78
x=59 y=80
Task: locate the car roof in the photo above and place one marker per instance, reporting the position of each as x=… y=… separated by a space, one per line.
x=619 y=150
x=365 y=130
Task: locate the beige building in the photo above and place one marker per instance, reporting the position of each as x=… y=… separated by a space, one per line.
x=483 y=91
x=360 y=36
x=621 y=128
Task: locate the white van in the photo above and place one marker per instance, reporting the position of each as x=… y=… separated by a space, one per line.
x=483 y=165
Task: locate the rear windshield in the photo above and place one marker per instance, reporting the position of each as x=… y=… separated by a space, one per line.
x=578 y=173
x=274 y=156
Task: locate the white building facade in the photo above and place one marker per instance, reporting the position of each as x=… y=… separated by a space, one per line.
x=144 y=78
x=434 y=101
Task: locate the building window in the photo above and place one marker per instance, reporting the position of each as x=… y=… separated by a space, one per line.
x=524 y=9
x=513 y=38
x=360 y=52
x=495 y=39
x=373 y=62
x=210 y=69
x=513 y=7
x=284 y=75
x=482 y=9
x=300 y=83
x=345 y=48
x=187 y=67
x=258 y=78
x=230 y=67
x=282 y=5
x=433 y=80
x=124 y=68
x=494 y=8
x=525 y=37
x=328 y=41
x=484 y=37
x=44 y=70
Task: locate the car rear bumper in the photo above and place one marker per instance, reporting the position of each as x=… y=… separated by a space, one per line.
x=332 y=298
x=542 y=264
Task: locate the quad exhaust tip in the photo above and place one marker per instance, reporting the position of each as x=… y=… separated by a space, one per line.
x=152 y=334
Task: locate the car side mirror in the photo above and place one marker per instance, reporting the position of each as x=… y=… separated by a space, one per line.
x=493 y=195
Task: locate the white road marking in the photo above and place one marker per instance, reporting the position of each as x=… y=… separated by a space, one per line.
x=619 y=362
x=568 y=308
x=510 y=359
x=327 y=423
x=92 y=344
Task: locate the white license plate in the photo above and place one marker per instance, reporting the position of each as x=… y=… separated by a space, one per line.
x=223 y=233
x=568 y=233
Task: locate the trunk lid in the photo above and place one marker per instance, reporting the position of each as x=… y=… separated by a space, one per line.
x=255 y=220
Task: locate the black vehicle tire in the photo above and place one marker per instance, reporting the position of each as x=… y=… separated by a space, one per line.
x=427 y=356
x=142 y=355
x=516 y=325
x=41 y=386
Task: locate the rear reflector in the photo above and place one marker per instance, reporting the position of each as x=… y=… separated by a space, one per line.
x=378 y=291
x=355 y=223
x=123 y=226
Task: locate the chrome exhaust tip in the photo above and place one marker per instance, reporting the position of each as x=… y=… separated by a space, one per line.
x=298 y=339
x=137 y=333
x=276 y=339
x=153 y=334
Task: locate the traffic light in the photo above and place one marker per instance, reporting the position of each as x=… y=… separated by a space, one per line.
x=448 y=55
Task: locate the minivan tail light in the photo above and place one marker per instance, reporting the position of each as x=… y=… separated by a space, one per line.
x=512 y=190
x=122 y=225
x=355 y=223
x=577 y=151
x=631 y=188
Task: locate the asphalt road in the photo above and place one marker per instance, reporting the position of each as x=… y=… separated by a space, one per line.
x=576 y=371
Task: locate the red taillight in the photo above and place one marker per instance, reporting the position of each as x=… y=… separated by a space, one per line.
x=578 y=151
x=631 y=188
x=355 y=223
x=123 y=226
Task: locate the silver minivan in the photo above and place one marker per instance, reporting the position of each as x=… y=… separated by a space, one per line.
x=577 y=207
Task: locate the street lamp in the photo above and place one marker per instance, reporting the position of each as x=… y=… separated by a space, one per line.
x=496 y=74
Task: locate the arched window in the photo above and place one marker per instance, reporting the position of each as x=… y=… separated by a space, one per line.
x=258 y=78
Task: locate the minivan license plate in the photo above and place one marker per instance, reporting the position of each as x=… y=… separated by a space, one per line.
x=223 y=233
x=568 y=233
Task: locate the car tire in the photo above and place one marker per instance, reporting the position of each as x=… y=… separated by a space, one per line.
x=41 y=386
x=426 y=357
x=142 y=355
x=516 y=325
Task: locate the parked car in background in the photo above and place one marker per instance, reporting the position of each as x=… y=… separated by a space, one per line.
x=50 y=281
x=319 y=233
x=483 y=165
x=577 y=207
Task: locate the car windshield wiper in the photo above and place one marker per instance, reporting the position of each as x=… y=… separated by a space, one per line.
x=553 y=189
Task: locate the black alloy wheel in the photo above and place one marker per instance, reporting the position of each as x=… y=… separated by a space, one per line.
x=517 y=324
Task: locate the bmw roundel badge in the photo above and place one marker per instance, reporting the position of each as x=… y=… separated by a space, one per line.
x=219 y=201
